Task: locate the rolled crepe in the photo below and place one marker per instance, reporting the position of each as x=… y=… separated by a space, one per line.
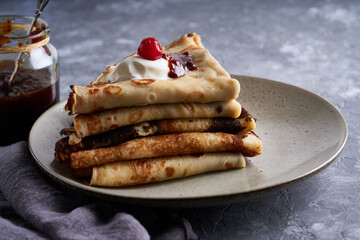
x=169 y=145
x=209 y=83
x=243 y=124
x=96 y=123
x=127 y=173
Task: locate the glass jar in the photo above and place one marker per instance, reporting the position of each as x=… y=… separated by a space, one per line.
x=35 y=85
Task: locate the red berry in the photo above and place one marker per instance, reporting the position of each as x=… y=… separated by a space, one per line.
x=150 y=49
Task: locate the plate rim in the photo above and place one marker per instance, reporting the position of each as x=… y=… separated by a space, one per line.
x=201 y=201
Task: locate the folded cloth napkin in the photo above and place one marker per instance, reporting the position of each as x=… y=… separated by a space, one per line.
x=40 y=209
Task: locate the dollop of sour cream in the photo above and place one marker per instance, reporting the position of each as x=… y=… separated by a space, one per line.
x=135 y=67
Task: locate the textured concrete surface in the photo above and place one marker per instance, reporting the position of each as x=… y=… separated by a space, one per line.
x=311 y=44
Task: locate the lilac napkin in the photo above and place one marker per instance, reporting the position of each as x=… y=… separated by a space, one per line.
x=39 y=208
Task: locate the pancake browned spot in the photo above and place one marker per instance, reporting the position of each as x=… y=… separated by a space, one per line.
x=137 y=168
x=112 y=90
x=142 y=82
x=135 y=116
x=228 y=165
x=162 y=164
x=169 y=171
x=148 y=165
x=201 y=95
x=93 y=124
x=185 y=172
x=93 y=91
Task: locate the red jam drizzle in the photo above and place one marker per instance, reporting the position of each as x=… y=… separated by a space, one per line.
x=5 y=29
x=179 y=63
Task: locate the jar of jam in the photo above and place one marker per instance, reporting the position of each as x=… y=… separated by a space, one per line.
x=29 y=76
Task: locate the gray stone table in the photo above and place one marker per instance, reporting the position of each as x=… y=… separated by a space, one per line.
x=311 y=44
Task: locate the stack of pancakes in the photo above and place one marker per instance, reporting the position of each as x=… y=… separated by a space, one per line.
x=150 y=130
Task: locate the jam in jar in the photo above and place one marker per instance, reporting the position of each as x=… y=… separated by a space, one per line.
x=35 y=85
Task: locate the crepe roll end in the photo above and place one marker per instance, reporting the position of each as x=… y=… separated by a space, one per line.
x=252 y=145
x=71 y=102
x=142 y=171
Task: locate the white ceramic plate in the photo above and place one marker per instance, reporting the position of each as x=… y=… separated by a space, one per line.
x=301 y=132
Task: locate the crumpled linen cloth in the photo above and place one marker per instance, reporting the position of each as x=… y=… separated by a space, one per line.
x=41 y=209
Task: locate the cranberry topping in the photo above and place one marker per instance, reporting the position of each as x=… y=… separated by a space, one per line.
x=150 y=49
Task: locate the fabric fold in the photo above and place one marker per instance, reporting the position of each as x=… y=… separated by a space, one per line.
x=59 y=214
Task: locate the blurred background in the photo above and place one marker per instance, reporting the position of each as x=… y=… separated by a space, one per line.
x=300 y=42
x=311 y=44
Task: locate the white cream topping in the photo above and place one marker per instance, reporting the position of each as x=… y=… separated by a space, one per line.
x=136 y=67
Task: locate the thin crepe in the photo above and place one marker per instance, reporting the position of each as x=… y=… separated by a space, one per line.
x=239 y=125
x=210 y=83
x=135 y=172
x=169 y=145
x=96 y=123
